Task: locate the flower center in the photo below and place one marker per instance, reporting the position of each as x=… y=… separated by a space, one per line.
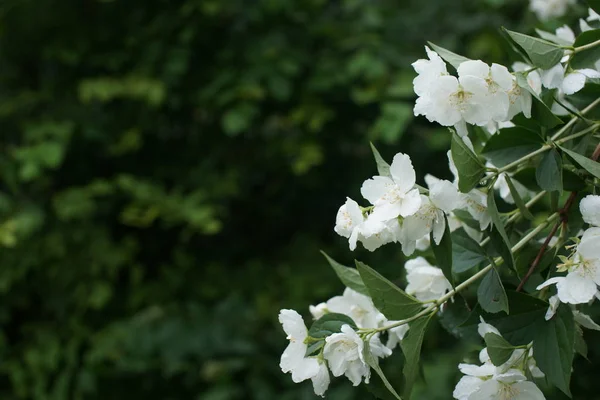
x=507 y=392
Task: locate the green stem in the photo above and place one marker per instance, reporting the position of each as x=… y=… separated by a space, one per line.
x=586 y=47
x=433 y=308
x=574 y=120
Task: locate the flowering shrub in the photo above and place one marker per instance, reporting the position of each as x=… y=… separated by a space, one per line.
x=520 y=222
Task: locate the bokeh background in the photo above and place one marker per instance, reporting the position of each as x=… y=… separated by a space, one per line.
x=170 y=170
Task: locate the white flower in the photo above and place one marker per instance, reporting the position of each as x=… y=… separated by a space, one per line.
x=427 y=71
x=512 y=385
x=498 y=80
x=493 y=127
x=394 y=196
x=520 y=98
x=349 y=221
x=548 y=9
x=590 y=209
x=293 y=358
x=377 y=348
x=425 y=281
x=570 y=82
x=580 y=284
x=358 y=307
x=592 y=15
x=451 y=101
x=344 y=354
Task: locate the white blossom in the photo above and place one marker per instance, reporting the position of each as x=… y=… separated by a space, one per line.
x=580 y=284
x=321 y=380
x=548 y=9
x=395 y=335
x=590 y=209
x=344 y=354
x=425 y=281
x=520 y=98
x=319 y=310
x=393 y=196
x=358 y=307
x=512 y=385
x=293 y=358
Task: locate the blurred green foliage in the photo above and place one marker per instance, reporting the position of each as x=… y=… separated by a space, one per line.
x=170 y=170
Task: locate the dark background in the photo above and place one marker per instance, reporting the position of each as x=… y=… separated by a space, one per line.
x=170 y=170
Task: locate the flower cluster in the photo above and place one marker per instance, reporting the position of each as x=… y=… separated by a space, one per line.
x=343 y=352
x=506 y=381
x=481 y=95
x=580 y=285
x=400 y=214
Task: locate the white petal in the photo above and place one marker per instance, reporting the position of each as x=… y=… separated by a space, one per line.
x=410 y=203
x=445 y=196
x=306 y=369
x=403 y=172
x=374 y=189
x=580 y=290
x=573 y=83
x=484 y=328
x=502 y=76
x=487 y=390
x=474 y=68
x=551 y=281
x=553 y=78
x=348 y=217
x=554 y=303
x=590 y=209
x=585 y=321
x=566 y=34
x=321 y=380
x=292 y=356
x=293 y=324
x=589 y=73
x=466 y=386
x=439 y=226
x=527 y=391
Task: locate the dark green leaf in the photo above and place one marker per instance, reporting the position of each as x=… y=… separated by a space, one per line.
x=328 y=324
x=580 y=344
x=572 y=182
x=517 y=198
x=586 y=58
x=349 y=276
x=591 y=166
x=470 y=168
x=503 y=246
x=373 y=362
x=383 y=168
x=542 y=53
x=491 y=295
x=554 y=348
x=443 y=252
x=466 y=253
x=498 y=348
x=411 y=347
x=549 y=172
x=510 y=144
x=451 y=58
x=394 y=303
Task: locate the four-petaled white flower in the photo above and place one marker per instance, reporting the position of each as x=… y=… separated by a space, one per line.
x=580 y=284
x=358 y=307
x=425 y=281
x=393 y=196
x=344 y=354
x=293 y=358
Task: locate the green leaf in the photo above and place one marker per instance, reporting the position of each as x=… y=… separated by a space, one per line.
x=373 y=362
x=498 y=348
x=542 y=53
x=349 y=276
x=572 y=182
x=549 y=172
x=503 y=246
x=491 y=294
x=541 y=113
x=394 y=303
x=510 y=144
x=451 y=58
x=470 y=168
x=586 y=58
x=411 y=347
x=443 y=252
x=580 y=344
x=328 y=324
x=466 y=252
x=383 y=168
x=591 y=166
x=517 y=198
x=553 y=347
